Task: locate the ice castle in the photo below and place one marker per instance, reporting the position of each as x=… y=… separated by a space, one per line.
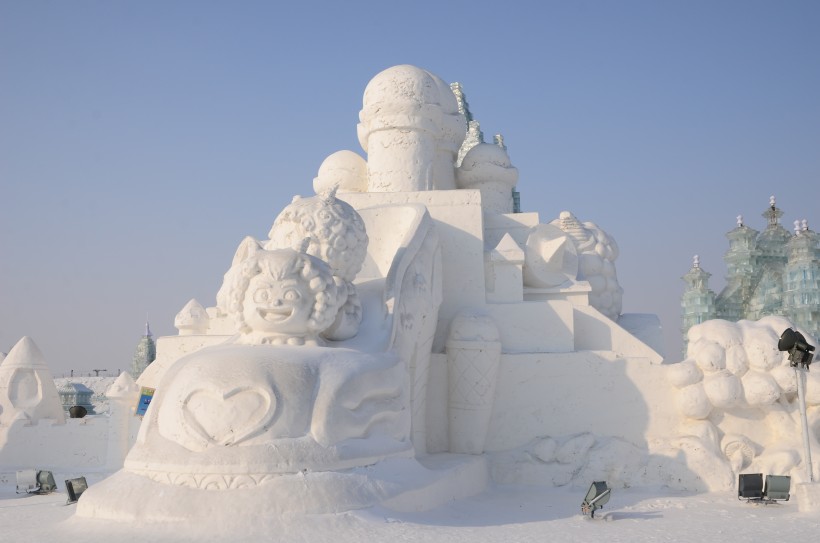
x=769 y=273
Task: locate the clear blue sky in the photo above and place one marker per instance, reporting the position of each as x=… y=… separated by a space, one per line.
x=141 y=141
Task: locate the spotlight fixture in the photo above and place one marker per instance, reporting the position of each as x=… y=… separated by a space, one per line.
x=750 y=486
x=777 y=488
x=597 y=495
x=32 y=481
x=75 y=487
x=800 y=351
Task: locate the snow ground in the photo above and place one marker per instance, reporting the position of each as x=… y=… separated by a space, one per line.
x=501 y=514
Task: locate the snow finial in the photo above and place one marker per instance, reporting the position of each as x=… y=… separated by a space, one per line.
x=740 y=221
x=329 y=195
x=498 y=139
x=696 y=261
x=805 y=224
x=771 y=201
x=796 y=228
x=147 y=329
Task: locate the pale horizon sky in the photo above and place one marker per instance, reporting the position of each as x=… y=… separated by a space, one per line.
x=141 y=141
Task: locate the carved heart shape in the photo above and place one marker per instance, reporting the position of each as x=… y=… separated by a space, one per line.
x=218 y=417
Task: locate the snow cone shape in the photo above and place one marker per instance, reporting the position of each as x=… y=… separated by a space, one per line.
x=27 y=388
x=473 y=358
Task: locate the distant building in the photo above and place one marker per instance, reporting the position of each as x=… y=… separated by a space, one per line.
x=145 y=354
x=72 y=394
x=772 y=272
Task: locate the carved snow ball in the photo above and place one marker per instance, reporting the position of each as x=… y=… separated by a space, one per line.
x=760 y=389
x=693 y=402
x=473 y=327
x=709 y=356
x=762 y=353
x=736 y=360
x=723 y=389
x=335 y=231
x=343 y=169
x=684 y=373
x=739 y=451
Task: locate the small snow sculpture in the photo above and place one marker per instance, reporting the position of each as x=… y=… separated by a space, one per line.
x=27 y=389
x=283 y=297
x=336 y=235
x=597 y=252
x=551 y=257
x=487 y=167
x=192 y=319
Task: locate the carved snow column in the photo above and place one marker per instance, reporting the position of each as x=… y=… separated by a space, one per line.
x=123 y=425
x=451 y=136
x=27 y=389
x=473 y=359
x=192 y=319
x=487 y=167
x=399 y=129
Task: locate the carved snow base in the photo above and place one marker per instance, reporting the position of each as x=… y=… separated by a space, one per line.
x=400 y=484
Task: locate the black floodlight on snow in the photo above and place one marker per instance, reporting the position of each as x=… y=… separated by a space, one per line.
x=800 y=352
x=750 y=486
x=75 y=487
x=597 y=495
x=777 y=488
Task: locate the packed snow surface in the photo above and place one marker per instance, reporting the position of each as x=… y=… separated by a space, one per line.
x=500 y=514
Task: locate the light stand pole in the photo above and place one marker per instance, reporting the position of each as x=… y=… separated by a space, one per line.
x=801 y=398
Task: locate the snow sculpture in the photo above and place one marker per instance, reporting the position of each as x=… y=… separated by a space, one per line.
x=487 y=167
x=411 y=129
x=27 y=389
x=192 y=319
x=336 y=235
x=344 y=170
x=597 y=253
x=448 y=317
x=737 y=393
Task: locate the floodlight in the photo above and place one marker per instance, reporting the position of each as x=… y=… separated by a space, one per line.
x=750 y=486
x=75 y=487
x=777 y=488
x=800 y=351
x=46 y=481
x=27 y=481
x=597 y=495
x=77 y=412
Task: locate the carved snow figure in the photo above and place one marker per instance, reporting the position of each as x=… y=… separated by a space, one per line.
x=597 y=252
x=192 y=319
x=336 y=235
x=487 y=167
x=283 y=297
x=27 y=389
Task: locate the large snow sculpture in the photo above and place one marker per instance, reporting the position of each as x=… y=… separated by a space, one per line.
x=447 y=316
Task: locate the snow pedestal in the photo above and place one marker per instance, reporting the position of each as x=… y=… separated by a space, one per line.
x=473 y=358
x=808 y=497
